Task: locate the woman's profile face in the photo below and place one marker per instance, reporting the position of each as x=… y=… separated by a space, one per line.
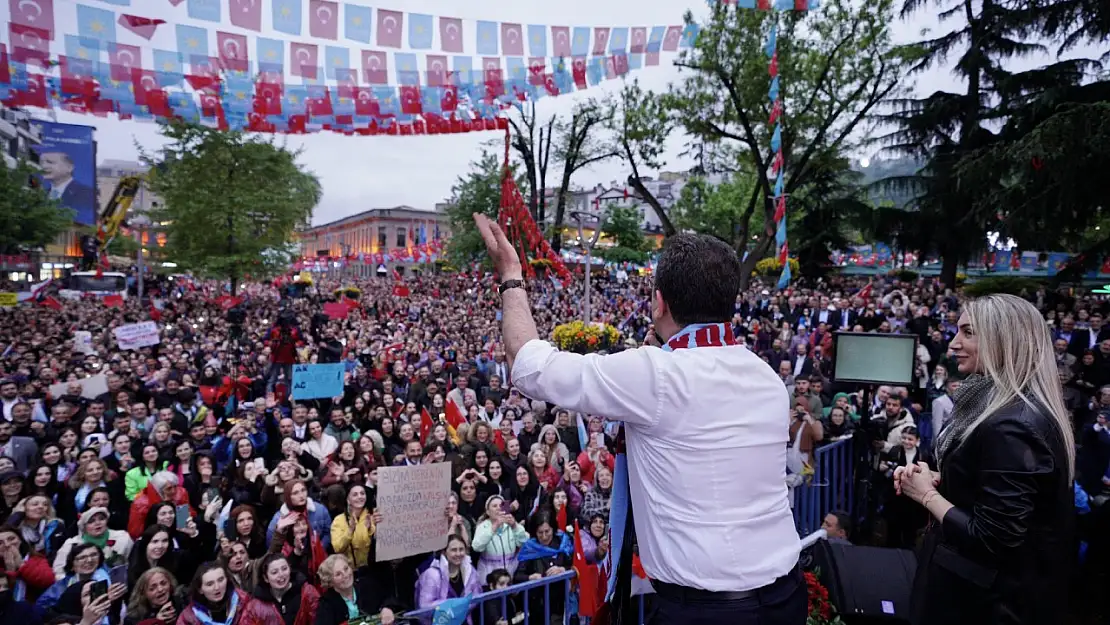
x=965 y=346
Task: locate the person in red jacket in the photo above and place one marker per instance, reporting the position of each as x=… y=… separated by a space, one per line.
x=29 y=574
x=212 y=594
x=162 y=486
x=281 y=591
x=283 y=338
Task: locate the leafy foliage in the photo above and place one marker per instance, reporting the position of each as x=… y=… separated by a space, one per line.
x=1014 y=285
x=716 y=209
x=640 y=122
x=622 y=225
x=232 y=202
x=479 y=191
x=29 y=219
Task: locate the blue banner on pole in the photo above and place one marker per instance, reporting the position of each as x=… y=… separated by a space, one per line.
x=67 y=158
x=316 y=381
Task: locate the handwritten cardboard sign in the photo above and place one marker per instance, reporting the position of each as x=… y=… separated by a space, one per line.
x=136 y=335
x=313 y=381
x=412 y=501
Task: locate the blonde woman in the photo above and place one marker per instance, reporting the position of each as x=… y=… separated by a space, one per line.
x=1001 y=547
x=344 y=599
x=155 y=599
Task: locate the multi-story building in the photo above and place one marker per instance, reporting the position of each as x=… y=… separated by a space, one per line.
x=393 y=232
x=108 y=174
x=18 y=136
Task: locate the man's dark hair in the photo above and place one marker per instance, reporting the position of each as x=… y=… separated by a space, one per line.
x=843 y=521
x=699 y=278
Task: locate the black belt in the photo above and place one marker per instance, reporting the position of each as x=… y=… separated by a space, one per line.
x=677 y=592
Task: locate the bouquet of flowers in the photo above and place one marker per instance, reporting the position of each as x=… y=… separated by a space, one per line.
x=582 y=338
x=821 y=611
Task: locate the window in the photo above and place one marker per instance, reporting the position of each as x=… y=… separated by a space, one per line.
x=382 y=237
x=402 y=238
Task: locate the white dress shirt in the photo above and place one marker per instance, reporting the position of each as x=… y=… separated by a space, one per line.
x=707 y=431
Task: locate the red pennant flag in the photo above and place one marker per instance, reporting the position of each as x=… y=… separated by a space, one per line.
x=588 y=577
x=454 y=417
x=113 y=301
x=50 y=302
x=401 y=291
x=336 y=310
x=323 y=19
x=425 y=425
x=561 y=519
x=246 y=14
x=141 y=26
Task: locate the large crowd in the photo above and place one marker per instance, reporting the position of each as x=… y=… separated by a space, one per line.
x=194 y=490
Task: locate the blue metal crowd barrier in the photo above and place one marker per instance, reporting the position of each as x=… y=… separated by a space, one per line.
x=499 y=599
x=830 y=488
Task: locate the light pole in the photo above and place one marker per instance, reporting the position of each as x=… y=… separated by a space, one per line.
x=140 y=223
x=594 y=221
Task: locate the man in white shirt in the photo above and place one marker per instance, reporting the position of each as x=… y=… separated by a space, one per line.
x=706 y=430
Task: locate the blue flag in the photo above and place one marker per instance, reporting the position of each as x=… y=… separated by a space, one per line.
x=776 y=138
x=96 y=23
x=408 y=73
x=168 y=68
x=784 y=279
x=689 y=35
x=515 y=69
x=462 y=70
x=488 y=36
x=357 y=22
x=580 y=41
x=780 y=233
x=773 y=92
x=271 y=54
x=336 y=59
x=207 y=10
x=287 y=16
x=618 y=40
x=452 y=611
x=192 y=42
x=655 y=39
x=420 y=31
x=772 y=41
x=537 y=40
x=83 y=48
x=533 y=550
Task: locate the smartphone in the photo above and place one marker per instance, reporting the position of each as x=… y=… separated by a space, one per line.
x=182 y=516
x=505 y=507
x=260 y=464
x=118 y=574
x=98 y=590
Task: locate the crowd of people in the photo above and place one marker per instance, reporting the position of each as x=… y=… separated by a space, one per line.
x=195 y=481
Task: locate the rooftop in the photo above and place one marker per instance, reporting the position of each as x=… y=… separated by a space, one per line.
x=377 y=212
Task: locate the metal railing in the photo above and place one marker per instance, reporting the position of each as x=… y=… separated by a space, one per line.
x=830 y=488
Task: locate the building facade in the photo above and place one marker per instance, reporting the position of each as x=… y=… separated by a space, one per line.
x=392 y=237
x=108 y=174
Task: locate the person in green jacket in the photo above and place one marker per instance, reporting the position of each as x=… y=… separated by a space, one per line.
x=135 y=480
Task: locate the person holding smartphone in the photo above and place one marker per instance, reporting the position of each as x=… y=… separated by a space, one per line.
x=497 y=538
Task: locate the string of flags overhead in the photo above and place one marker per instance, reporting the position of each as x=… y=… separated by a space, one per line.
x=234 y=77
x=777 y=161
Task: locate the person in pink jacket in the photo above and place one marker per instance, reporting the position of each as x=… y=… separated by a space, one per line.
x=451 y=575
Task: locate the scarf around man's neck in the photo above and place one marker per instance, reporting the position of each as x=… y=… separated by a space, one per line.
x=622 y=536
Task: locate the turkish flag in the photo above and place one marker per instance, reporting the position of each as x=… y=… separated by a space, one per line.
x=29 y=44
x=601 y=40
x=145 y=82
x=304 y=59
x=375 y=67
x=425 y=425
x=450 y=34
x=560 y=40
x=390 y=24
x=246 y=14
x=401 y=290
x=437 y=70
x=620 y=64
x=113 y=301
x=578 y=69
x=588 y=578
x=336 y=310
x=671 y=39
x=323 y=19
x=536 y=67
x=33 y=13
x=512 y=40
x=450 y=100
x=141 y=26
x=454 y=417
x=410 y=100
x=639 y=40
x=365 y=104
x=561 y=518
x=123 y=59
x=233 y=51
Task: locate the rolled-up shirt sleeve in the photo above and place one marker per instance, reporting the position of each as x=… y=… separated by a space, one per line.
x=624 y=386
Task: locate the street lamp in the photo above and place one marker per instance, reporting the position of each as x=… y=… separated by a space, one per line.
x=140 y=223
x=593 y=220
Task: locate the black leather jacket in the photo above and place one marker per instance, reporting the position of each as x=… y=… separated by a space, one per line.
x=1004 y=553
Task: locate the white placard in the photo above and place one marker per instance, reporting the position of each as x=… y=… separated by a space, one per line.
x=136 y=335
x=91 y=387
x=82 y=342
x=412 y=501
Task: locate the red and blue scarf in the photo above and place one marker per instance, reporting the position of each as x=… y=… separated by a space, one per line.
x=622 y=534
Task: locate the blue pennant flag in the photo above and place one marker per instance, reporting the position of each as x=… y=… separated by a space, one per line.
x=689 y=36
x=357 y=22
x=192 y=43
x=206 y=10
x=773 y=92
x=452 y=611
x=635 y=61
x=779 y=184
x=271 y=54
x=463 y=70
x=776 y=139
x=431 y=100
x=564 y=81
x=595 y=70
x=293 y=100
x=655 y=39
x=533 y=550
x=420 y=31
x=96 y=23
x=580 y=41
x=488 y=36
x=784 y=279
x=82 y=48
x=780 y=233
x=618 y=40
x=772 y=40
x=515 y=68
x=388 y=104
x=336 y=59
x=408 y=72
x=784 y=5
x=287 y=16
x=746 y=4
x=168 y=68
x=537 y=40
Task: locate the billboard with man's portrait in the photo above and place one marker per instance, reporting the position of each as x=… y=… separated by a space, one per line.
x=67 y=160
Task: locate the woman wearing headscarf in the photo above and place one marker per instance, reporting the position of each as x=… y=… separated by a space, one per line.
x=1000 y=547
x=345 y=598
x=92 y=529
x=282 y=595
x=155 y=599
x=553 y=449
x=595 y=542
x=524 y=494
x=214 y=599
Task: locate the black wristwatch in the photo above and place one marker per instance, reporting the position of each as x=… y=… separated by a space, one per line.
x=510 y=284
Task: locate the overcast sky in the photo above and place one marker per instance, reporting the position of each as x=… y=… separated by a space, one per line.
x=359 y=173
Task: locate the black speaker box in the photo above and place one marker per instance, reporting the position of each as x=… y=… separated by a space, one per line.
x=867 y=585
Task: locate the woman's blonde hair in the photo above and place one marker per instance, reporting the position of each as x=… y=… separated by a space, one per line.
x=1015 y=352
x=137 y=605
x=327 y=568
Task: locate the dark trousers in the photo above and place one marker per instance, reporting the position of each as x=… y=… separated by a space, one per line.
x=782 y=602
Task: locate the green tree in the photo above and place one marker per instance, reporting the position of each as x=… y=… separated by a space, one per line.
x=479 y=191
x=716 y=209
x=231 y=202
x=531 y=140
x=29 y=219
x=639 y=124
x=621 y=224
x=835 y=66
x=578 y=146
